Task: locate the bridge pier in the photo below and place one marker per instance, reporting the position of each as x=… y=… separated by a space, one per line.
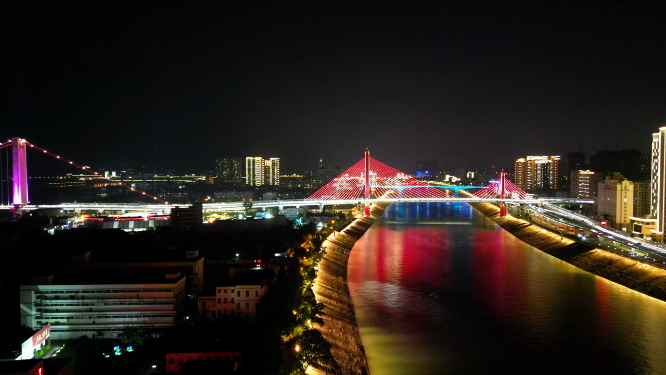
x=502 y=191
x=366 y=194
x=19 y=172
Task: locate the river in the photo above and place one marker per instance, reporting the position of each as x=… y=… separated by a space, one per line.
x=440 y=289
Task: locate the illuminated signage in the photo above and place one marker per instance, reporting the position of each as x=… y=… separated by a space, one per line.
x=41 y=336
x=603 y=222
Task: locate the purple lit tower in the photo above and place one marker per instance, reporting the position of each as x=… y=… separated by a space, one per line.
x=20 y=171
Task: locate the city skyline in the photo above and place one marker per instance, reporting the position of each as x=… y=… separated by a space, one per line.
x=460 y=83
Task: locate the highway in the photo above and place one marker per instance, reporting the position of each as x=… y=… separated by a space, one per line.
x=606 y=238
x=240 y=206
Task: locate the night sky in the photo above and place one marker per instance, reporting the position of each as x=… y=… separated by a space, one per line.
x=176 y=85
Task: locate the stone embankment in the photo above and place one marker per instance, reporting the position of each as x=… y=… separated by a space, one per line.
x=627 y=271
x=331 y=288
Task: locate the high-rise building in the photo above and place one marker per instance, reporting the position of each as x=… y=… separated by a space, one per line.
x=254 y=171
x=576 y=161
x=272 y=171
x=259 y=172
x=658 y=185
x=642 y=197
x=583 y=184
x=627 y=162
x=538 y=173
x=616 y=200
x=229 y=170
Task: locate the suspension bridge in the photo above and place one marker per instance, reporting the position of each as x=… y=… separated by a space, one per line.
x=366 y=182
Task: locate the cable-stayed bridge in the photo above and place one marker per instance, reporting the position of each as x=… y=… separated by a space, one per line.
x=366 y=182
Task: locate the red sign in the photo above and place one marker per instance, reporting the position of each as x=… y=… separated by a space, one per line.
x=42 y=335
x=603 y=222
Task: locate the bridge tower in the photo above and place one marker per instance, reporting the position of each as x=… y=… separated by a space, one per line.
x=19 y=172
x=366 y=195
x=502 y=193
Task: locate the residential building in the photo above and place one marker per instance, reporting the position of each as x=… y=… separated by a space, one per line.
x=259 y=172
x=272 y=171
x=658 y=184
x=616 y=201
x=576 y=161
x=642 y=197
x=584 y=184
x=254 y=171
x=627 y=162
x=234 y=195
x=229 y=170
x=237 y=299
x=187 y=219
x=538 y=173
x=101 y=304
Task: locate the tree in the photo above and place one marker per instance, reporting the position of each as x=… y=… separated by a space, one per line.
x=312 y=348
x=134 y=336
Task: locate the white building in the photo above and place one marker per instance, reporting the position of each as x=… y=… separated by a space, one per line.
x=658 y=184
x=616 y=201
x=259 y=172
x=101 y=304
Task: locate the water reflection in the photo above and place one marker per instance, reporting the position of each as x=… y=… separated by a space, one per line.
x=439 y=289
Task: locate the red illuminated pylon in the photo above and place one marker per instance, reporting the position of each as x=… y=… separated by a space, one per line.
x=502 y=189
x=366 y=209
x=380 y=180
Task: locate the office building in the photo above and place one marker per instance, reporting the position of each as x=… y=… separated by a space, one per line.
x=101 y=304
x=259 y=172
x=616 y=201
x=538 y=173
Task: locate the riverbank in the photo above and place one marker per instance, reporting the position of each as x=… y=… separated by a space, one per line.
x=625 y=271
x=340 y=328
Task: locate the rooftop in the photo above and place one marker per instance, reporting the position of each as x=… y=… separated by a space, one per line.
x=128 y=276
